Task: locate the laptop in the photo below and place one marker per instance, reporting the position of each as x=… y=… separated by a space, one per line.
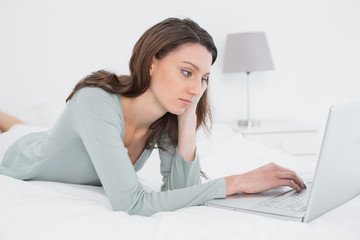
x=336 y=179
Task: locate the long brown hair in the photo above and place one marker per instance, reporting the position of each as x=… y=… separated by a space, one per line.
x=158 y=41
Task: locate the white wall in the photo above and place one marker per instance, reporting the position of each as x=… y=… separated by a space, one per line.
x=46 y=46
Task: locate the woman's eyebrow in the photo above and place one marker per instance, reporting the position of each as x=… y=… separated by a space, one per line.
x=196 y=67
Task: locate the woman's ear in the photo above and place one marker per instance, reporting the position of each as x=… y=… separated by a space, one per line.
x=153 y=65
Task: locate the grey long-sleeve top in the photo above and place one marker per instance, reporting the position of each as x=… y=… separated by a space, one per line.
x=85 y=146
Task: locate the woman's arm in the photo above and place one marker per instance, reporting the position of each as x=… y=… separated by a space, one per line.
x=264 y=178
x=187 y=134
x=187 y=128
x=177 y=172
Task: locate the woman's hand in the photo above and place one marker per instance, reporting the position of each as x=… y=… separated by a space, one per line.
x=262 y=179
x=187 y=127
x=192 y=107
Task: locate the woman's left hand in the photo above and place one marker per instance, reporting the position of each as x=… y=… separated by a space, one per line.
x=196 y=99
x=187 y=127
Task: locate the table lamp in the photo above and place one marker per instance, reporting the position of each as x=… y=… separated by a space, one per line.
x=247 y=52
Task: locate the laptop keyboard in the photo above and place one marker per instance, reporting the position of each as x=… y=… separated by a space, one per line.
x=296 y=202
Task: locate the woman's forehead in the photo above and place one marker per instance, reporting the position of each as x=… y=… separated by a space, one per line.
x=193 y=54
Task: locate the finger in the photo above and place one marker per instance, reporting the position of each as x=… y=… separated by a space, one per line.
x=294 y=177
x=291 y=175
x=292 y=184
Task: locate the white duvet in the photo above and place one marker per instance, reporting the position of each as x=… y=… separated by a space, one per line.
x=48 y=210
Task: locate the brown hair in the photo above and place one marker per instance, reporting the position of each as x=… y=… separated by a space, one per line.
x=158 y=41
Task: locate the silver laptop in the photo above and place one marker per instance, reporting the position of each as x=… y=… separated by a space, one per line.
x=336 y=179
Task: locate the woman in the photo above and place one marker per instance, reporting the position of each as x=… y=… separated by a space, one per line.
x=111 y=124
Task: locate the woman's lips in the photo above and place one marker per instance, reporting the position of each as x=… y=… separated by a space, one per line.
x=187 y=102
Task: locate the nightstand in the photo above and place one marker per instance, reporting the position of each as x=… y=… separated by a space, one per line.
x=292 y=137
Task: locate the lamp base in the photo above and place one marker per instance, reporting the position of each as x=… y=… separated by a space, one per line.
x=249 y=123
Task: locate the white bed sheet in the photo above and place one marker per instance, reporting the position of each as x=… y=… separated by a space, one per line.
x=49 y=210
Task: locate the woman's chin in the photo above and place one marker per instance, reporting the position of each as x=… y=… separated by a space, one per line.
x=177 y=112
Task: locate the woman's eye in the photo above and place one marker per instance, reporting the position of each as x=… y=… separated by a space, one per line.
x=186 y=73
x=205 y=78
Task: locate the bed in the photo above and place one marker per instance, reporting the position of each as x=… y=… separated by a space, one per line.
x=50 y=210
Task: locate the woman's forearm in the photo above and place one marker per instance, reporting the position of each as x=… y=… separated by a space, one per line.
x=187 y=135
x=187 y=127
x=263 y=178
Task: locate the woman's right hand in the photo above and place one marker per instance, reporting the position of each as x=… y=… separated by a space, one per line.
x=264 y=178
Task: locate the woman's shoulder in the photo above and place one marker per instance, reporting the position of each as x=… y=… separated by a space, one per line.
x=94 y=91
x=96 y=100
x=93 y=95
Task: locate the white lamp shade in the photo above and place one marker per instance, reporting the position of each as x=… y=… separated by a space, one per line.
x=247 y=52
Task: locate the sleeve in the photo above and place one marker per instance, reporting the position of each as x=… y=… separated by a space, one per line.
x=176 y=172
x=97 y=118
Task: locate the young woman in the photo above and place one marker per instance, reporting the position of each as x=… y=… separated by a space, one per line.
x=111 y=124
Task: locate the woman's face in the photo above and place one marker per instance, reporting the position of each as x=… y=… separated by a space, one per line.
x=176 y=79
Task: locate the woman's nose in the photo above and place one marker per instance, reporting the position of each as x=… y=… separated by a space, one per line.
x=195 y=88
